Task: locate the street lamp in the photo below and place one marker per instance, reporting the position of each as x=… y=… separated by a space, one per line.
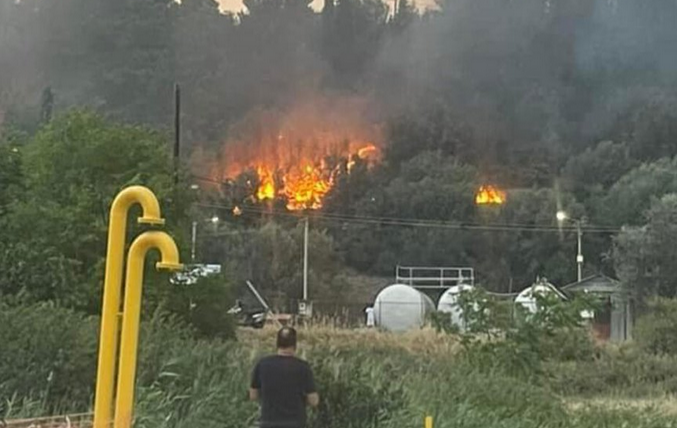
x=562 y=216
x=193 y=238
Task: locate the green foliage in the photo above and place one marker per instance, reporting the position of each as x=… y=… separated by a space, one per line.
x=271 y=258
x=625 y=370
x=185 y=382
x=48 y=354
x=591 y=173
x=357 y=388
x=72 y=169
x=32 y=273
x=628 y=199
x=514 y=339
x=11 y=176
x=441 y=322
x=204 y=305
x=655 y=331
x=643 y=256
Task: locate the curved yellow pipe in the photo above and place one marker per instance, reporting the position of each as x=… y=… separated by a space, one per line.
x=117 y=230
x=132 y=313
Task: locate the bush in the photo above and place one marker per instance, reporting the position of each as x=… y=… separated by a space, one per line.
x=626 y=370
x=519 y=344
x=656 y=332
x=358 y=389
x=204 y=306
x=48 y=354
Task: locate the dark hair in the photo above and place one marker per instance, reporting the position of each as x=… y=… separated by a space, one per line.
x=286 y=338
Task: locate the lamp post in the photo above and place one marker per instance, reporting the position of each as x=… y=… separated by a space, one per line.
x=561 y=218
x=193 y=241
x=305 y=260
x=193 y=236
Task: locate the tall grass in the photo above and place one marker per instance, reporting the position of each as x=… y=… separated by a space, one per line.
x=367 y=379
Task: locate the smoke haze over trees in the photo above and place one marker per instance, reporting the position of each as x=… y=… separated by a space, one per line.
x=567 y=104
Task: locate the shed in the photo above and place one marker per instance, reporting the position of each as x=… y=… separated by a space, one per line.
x=614 y=321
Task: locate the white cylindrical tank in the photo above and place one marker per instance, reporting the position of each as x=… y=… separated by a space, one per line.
x=449 y=304
x=527 y=298
x=400 y=307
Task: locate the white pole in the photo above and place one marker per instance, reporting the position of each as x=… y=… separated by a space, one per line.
x=193 y=242
x=305 y=261
x=579 y=256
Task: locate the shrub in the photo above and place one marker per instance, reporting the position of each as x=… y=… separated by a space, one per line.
x=656 y=332
x=48 y=353
x=626 y=370
x=204 y=306
x=358 y=389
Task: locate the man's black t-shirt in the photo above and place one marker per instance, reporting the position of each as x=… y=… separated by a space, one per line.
x=283 y=383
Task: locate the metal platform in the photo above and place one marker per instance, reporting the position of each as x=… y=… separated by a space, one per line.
x=434 y=277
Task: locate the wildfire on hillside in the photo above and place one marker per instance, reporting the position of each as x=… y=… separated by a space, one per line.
x=299 y=154
x=490 y=195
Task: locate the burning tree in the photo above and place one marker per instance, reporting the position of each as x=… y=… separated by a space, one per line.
x=297 y=155
x=490 y=195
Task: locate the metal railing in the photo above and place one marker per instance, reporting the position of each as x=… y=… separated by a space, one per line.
x=434 y=277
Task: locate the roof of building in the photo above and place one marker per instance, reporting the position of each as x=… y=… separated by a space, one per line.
x=599 y=283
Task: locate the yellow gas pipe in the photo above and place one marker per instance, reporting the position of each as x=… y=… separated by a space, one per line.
x=132 y=314
x=117 y=230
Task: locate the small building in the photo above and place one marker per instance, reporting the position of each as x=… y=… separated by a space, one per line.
x=614 y=320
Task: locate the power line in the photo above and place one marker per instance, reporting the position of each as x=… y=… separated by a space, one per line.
x=399 y=220
x=422 y=223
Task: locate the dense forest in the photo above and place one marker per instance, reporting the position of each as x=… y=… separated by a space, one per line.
x=564 y=104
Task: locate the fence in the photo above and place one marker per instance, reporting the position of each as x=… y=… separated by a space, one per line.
x=82 y=420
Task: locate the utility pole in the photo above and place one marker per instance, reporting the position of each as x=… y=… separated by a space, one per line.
x=579 y=256
x=177 y=130
x=305 y=261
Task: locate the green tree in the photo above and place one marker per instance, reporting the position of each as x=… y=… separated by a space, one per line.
x=627 y=199
x=73 y=169
x=591 y=173
x=655 y=331
x=644 y=256
x=271 y=257
x=428 y=187
x=204 y=305
x=530 y=253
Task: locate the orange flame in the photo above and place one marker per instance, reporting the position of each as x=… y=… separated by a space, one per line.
x=490 y=195
x=305 y=190
x=266 y=184
x=364 y=153
x=298 y=154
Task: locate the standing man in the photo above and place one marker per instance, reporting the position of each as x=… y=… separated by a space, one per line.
x=284 y=385
x=370 y=316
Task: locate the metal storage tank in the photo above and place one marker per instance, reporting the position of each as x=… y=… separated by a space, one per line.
x=541 y=287
x=449 y=304
x=400 y=307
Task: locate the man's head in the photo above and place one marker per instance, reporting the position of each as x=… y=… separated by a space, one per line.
x=286 y=338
